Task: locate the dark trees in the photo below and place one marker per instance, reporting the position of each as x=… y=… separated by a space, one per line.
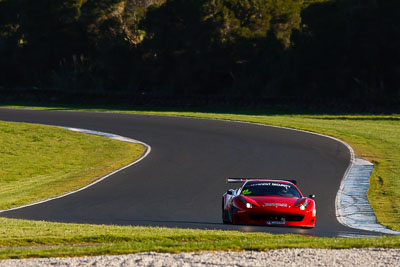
x=247 y=49
x=350 y=50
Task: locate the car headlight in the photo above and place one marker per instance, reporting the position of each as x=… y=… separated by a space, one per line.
x=314 y=212
x=303 y=205
x=246 y=203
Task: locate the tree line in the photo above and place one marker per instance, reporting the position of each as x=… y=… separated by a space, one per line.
x=191 y=49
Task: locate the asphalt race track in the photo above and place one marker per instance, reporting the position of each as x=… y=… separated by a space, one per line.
x=181 y=182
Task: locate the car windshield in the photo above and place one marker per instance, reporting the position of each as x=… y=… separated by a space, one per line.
x=270 y=189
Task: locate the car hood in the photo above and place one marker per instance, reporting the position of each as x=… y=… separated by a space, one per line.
x=271 y=201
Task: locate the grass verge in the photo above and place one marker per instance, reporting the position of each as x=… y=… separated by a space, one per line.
x=34 y=157
x=22 y=239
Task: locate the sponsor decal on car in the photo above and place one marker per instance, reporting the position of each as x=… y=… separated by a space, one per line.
x=275 y=205
x=246 y=192
x=270 y=184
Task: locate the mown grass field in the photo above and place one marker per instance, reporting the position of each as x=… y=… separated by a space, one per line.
x=374 y=137
x=21 y=239
x=38 y=162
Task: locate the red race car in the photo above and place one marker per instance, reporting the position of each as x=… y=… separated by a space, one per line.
x=268 y=202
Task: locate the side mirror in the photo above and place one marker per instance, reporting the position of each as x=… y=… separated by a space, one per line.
x=230 y=192
x=311 y=196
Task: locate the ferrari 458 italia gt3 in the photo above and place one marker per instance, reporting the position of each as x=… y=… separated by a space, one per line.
x=267 y=202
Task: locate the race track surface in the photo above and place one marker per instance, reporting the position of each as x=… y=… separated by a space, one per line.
x=181 y=182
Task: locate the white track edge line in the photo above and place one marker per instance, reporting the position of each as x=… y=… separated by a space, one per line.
x=112 y=136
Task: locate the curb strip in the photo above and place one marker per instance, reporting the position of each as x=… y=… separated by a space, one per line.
x=352 y=206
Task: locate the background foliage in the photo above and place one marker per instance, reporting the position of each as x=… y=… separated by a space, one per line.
x=195 y=49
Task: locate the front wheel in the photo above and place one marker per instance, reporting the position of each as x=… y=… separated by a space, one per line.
x=225 y=214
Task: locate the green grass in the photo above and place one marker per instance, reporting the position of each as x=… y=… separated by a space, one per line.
x=21 y=239
x=37 y=157
x=374 y=137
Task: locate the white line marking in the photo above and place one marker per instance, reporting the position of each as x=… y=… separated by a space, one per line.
x=112 y=136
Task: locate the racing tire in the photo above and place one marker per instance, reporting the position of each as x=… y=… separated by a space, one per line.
x=225 y=214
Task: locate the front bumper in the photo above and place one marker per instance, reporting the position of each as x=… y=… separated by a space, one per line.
x=271 y=217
